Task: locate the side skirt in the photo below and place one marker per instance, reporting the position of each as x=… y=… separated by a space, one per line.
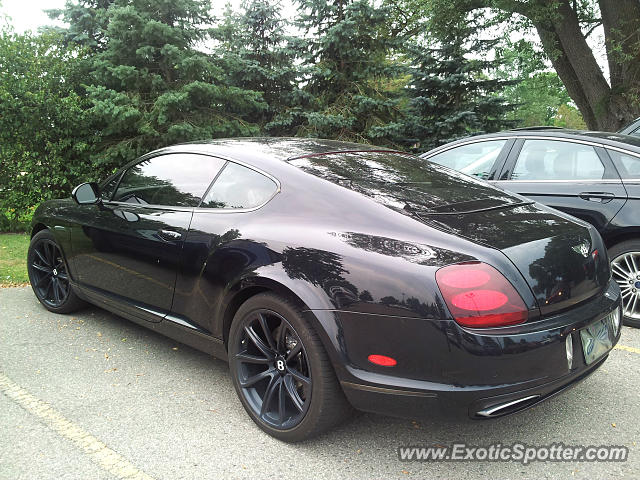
x=169 y=325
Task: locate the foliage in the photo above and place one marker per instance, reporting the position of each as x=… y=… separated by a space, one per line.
x=354 y=91
x=454 y=91
x=538 y=94
x=43 y=137
x=562 y=28
x=255 y=54
x=150 y=86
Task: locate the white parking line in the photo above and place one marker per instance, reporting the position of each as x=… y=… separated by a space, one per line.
x=97 y=451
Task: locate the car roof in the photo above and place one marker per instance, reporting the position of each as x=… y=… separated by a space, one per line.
x=628 y=142
x=262 y=151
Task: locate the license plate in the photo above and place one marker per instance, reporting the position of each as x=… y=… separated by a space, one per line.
x=596 y=340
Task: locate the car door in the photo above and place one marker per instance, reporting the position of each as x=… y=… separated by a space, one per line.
x=222 y=243
x=570 y=175
x=482 y=158
x=127 y=250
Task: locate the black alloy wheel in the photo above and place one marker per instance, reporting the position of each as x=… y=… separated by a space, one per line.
x=273 y=370
x=281 y=371
x=48 y=275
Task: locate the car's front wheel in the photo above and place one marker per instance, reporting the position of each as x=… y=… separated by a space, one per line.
x=281 y=371
x=49 y=276
x=625 y=266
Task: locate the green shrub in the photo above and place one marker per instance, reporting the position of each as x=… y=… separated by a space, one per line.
x=44 y=133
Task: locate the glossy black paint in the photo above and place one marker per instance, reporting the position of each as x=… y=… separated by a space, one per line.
x=611 y=204
x=355 y=236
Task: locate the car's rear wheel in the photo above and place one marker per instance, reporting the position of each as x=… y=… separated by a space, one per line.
x=625 y=265
x=281 y=371
x=49 y=276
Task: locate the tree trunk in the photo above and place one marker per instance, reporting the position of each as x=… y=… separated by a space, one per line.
x=604 y=105
x=574 y=62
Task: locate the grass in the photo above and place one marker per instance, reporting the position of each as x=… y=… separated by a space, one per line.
x=13 y=259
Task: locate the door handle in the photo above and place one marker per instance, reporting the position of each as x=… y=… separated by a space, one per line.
x=603 y=197
x=169 y=235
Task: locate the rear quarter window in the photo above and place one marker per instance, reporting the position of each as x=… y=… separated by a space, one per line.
x=239 y=187
x=628 y=165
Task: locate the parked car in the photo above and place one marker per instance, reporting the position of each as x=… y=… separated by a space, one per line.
x=333 y=275
x=632 y=129
x=594 y=176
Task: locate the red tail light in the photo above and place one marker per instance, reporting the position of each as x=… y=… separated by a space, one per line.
x=478 y=296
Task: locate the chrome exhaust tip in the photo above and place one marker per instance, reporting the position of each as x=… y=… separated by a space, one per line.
x=506 y=407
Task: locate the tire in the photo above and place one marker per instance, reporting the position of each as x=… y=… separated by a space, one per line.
x=623 y=255
x=310 y=406
x=48 y=275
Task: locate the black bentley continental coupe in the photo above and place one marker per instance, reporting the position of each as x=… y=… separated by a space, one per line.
x=335 y=275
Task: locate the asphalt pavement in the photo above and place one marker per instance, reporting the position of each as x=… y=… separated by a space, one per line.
x=93 y=396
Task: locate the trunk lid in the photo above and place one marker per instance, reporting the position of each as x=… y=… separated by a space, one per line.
x=563 y=261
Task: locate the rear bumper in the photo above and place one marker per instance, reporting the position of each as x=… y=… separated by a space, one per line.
x=483 y=375
x=477 y=404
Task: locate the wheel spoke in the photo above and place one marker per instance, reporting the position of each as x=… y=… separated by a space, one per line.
x=41 y=256
x=281 y=402
x=294 y=351
x=268 y=394
x=298 y=376
x=293 y=393
x=247 y=358
x=633 y=305
x=63 y=276
x=51 y=254
x=49 y=287
x=42 y=279
x=257 y=341
x=42 y=268
x=620 y=271
x=267 y=332
x=63 y=286
x=282 y=335
x=56 y=292
x=257 y=378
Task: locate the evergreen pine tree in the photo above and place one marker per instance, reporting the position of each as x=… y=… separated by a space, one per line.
x=150 y=86
x=87 y=20
x=354 y=89
x=256 y=54
x=453 y=92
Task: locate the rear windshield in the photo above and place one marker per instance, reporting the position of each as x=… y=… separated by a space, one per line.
x=404 y=181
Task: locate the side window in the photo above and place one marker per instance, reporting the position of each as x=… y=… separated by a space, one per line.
x=627 y=165
x=239 y=187
x=473 y=159
x=172 y=180
x=557 y=160
x=109 y=186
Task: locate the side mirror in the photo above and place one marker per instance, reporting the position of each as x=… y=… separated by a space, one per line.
x=86 y=194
